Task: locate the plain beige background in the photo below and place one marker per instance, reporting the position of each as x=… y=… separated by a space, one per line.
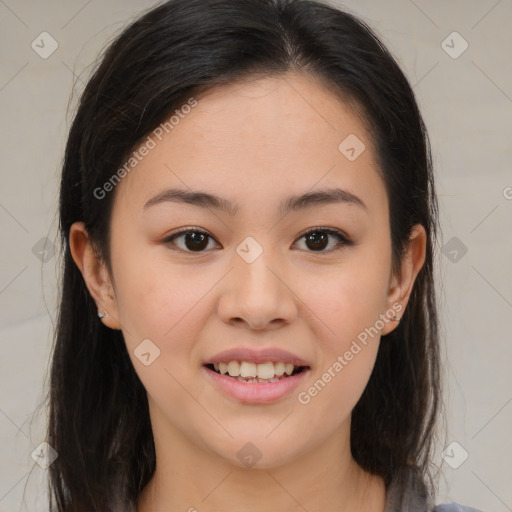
x=466 y=98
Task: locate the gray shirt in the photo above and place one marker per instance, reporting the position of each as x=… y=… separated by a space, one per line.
x=416 y=499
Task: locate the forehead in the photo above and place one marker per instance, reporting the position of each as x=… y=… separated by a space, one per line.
x=258 y=139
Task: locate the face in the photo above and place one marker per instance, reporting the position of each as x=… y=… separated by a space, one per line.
x=249 y=277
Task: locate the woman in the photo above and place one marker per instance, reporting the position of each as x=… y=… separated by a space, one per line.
x=248 y=205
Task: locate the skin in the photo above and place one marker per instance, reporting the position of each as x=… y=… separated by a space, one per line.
x=253 y=143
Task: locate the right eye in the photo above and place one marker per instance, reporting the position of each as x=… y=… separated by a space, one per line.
x=194 y=240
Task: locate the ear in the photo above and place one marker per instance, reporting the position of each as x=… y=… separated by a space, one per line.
x=95 y=274
x=401 y=284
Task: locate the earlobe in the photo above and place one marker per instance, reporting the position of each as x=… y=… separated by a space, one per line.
x=94 y=273
x=402 y=284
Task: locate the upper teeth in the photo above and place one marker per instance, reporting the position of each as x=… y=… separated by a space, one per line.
x=262 y=370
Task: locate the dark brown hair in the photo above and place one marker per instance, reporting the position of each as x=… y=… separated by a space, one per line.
x=98 y=412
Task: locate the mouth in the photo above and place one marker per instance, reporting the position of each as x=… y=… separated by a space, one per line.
x=255 y=383
x=263 y=373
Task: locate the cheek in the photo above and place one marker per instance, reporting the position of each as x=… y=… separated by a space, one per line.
x=170 y=306
x=155 y=298
x=347 y=302
x=349 y=297
x=167 y=306
x=335 y=391
x=350 y=342
x=348 y=306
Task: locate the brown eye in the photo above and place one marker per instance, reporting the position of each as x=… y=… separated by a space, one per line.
x=193 y=240
x=317 y=239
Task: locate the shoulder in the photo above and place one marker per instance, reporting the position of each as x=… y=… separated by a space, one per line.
x=454 y=507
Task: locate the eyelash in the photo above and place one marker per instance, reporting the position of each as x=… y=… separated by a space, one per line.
x=342 y=239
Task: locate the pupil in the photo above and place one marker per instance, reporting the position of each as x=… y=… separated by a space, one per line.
x=314 y=237
x=198 y=240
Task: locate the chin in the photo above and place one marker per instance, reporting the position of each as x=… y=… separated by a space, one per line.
x=264 y=454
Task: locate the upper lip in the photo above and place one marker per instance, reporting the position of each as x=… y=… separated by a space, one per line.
x=251 y=355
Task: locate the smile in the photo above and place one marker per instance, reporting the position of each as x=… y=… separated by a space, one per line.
x=255 y=383
x=246 y=371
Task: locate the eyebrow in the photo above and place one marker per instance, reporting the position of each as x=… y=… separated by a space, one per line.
x=289 y=204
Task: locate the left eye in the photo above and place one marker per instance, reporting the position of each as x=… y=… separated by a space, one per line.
x=316 y=239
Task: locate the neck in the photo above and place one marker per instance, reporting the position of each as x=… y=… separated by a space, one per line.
x=192 y=478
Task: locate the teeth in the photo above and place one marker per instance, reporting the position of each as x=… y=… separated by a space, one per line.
x=279 y=368
x=266 y=370
x=273 y=379
x=234 y=368
x=245 y=369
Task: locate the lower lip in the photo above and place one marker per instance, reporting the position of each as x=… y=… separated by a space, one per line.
x=255 y=392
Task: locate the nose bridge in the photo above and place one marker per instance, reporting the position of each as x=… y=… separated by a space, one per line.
x=256 y=290
x=255 y=268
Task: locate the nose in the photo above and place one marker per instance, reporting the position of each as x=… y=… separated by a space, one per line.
x=258 y=294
